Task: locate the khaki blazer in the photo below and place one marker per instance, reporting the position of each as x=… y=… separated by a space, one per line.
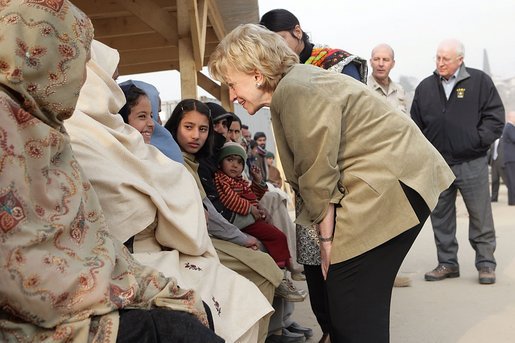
x=341 y=143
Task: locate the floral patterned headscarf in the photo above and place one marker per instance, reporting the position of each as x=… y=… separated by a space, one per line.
x=63 y=277
x=45 y=47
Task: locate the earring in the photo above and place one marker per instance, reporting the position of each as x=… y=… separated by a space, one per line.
x=258 y=85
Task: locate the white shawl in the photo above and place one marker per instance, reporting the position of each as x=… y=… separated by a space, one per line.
x=135 y=182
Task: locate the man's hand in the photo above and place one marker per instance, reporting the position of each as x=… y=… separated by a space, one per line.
x=510 y=117
x=252 y=242
x=255 y=173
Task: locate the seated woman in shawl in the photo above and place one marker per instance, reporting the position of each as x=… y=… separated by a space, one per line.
x=161 y=138
x=137 y=111
x=153 y=200
x=63 y=277
x=228 y=240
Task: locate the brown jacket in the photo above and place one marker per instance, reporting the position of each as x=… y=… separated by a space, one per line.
x=340 y=143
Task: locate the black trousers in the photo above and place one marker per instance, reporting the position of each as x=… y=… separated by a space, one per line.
x=510 y=182
x=161 y=325
x=353 y=304
x=498 y=173
x=318 y=296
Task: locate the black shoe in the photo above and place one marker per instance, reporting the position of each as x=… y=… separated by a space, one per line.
x=297 y=328
x=286 y=337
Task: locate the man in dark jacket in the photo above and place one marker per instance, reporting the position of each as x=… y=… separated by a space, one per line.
x=508 y=147
x=460 y=112
x=496 y=161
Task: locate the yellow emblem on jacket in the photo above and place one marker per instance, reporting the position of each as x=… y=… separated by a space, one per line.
x=461 y=92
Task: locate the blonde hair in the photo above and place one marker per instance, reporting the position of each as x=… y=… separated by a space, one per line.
x=249 y=48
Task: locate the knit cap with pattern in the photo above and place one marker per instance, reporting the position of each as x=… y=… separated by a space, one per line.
x=232 y=148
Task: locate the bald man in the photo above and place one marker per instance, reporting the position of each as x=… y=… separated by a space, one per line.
x=382 y=61
x=461 y=113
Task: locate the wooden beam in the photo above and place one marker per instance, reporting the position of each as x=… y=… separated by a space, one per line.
x=145 y=41
x=96 y=9
x=149 y=40
x=148 y=67
x=148 y=55
x=187 y=67
x=157 y=18
x=120 y=27
x=224 y=98
x=215 y=18
x=209 y=85
x=198 y=24
x=236 y=12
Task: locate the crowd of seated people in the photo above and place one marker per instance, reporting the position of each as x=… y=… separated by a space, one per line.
x=185 y=270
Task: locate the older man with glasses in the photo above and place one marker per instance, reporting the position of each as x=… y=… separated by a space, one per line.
x=460 y=112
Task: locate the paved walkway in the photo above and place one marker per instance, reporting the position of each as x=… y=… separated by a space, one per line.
x=454 y=310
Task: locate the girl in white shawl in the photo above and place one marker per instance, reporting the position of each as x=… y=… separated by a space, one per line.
x=147 y=196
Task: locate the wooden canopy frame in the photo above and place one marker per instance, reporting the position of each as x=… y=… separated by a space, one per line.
x=157 y=35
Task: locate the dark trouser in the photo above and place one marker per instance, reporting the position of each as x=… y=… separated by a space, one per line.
x=472 y=182
x=497 y=175
x=162 y=325
x=318 y=296
x=510 y=181
x=359 y=290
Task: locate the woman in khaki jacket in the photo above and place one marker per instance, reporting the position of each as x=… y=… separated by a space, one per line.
x=367 y=175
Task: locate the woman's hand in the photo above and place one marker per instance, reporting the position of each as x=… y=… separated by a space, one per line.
x=265 y=215
x=325 y=254
x=256 y=213
x=325 y=234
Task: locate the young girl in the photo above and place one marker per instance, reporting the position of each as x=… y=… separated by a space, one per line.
x=191 y=126
x=240 y=197
x=137 y=111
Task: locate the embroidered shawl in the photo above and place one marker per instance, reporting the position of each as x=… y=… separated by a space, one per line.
x=336 y=59
x=62 y=276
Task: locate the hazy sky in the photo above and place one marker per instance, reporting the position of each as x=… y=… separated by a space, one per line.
x=412 y=28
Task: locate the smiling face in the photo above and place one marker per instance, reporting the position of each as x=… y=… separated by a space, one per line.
x=193 y=131
x=246 y=90
x=140 y=117
x=232 y=165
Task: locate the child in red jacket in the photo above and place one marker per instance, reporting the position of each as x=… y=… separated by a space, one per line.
x=238 y=196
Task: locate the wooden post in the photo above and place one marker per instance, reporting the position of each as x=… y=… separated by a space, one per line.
x=187 y=66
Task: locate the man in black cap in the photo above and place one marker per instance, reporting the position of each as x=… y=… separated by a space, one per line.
x=222 y=119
